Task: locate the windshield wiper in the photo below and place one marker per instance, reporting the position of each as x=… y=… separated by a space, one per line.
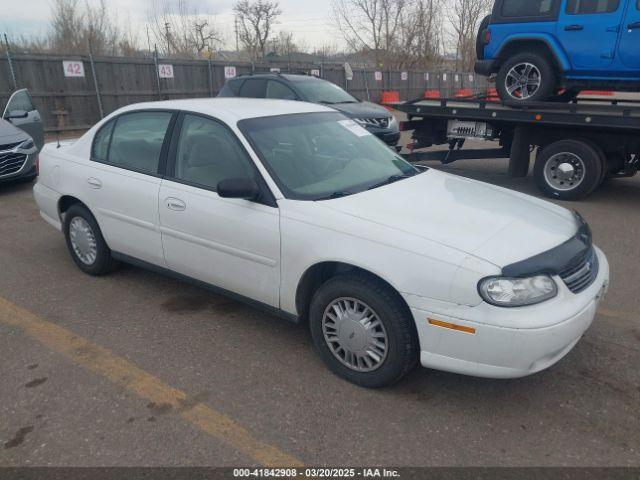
x=345 y=101
x=326 y=102
x=338 y=194
x=390 y=180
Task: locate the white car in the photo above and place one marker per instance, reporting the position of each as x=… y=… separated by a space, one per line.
x=295 y=208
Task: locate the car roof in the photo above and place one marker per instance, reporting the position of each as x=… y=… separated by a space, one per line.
x=232 y=109
x=282 y=76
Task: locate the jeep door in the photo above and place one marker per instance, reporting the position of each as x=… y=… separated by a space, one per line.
x=588 y=31
x=629 y=50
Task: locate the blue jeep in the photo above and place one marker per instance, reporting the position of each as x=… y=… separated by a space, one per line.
x=538 y=47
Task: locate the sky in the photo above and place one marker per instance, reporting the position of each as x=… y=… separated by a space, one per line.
x=306 y=19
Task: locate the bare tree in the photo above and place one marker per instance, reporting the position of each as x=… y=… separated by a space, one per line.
x=465 y=17
x=255 y=20
x=396 y=33
x=180 y=30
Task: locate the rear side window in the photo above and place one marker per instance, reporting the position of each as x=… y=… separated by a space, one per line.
x=527 y=8
x=582 y=7
x=100 y=148
x=230 y=89
x=279 y=90
x=254 y=88
x=136 y=141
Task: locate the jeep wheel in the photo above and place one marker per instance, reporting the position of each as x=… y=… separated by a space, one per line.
x=526 y=77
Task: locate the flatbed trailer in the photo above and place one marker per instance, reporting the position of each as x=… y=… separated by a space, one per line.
x=576 y=146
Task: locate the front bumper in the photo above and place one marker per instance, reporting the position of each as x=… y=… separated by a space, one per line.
x=542 y=334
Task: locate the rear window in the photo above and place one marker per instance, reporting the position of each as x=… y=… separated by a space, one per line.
x=582 y=7
x=527 y=8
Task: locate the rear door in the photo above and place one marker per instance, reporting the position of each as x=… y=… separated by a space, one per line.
x=21 y=112
x=588 y=31
x=629 y=49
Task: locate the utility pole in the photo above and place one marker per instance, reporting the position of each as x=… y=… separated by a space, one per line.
x=237 y=37
x=167 y=27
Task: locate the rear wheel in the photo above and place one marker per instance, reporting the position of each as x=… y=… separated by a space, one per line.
x=526 y=77
x=363 y=331
x=569 y=169
x=85 y=242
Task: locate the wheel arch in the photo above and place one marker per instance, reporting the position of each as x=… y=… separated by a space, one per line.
x=541 y=44
x=65 y=202
x=316 y=275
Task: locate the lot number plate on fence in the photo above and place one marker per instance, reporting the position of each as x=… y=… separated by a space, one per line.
x=404 y=76
x=73 y=68
x=165 y=71
x=229 y=72
x=378 y=76
x=315 y=72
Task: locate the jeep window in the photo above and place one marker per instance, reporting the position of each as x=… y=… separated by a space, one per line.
x=527 y=8
x=583 y=7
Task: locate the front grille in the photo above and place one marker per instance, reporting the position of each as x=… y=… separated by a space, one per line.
x=374 y=122
x=581 y=273
x=11 y=162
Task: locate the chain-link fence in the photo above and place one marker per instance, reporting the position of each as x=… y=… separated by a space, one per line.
x=74 y=92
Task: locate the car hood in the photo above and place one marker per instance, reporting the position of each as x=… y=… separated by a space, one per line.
x=10 y=133
x=491 y=223
x=362 y=110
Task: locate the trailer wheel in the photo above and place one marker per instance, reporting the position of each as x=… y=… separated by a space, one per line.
x=569 y=169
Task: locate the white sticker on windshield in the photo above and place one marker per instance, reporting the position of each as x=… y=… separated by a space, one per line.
x=354 y=128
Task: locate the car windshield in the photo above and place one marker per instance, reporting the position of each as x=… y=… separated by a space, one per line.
x=321 y=91
x=318 y=156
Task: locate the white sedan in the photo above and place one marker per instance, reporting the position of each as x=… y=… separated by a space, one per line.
x=294 y=208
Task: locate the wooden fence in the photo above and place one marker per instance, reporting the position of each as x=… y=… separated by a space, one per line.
x=76 y=103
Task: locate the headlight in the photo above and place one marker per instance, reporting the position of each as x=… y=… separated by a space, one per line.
x=517 y=292
x=26 y=145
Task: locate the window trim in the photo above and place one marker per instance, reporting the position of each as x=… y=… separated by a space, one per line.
x=162 y=161
x=571 y=14
x=266 y=197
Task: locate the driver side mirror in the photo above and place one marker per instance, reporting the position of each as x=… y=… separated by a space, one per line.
x=243 y=187
x=17 y=114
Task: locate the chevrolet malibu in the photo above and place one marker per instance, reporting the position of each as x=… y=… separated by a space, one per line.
x=297 y=209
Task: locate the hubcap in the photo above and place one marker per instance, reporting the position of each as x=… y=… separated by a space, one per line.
x=523 y=81
x=355 y=334
x=83 y=240
x=564 y=171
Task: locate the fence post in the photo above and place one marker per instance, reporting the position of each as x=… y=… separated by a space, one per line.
x=366 y=82
x=210 y=71
x=155 y=63
x=10 y=60
x=95 y=82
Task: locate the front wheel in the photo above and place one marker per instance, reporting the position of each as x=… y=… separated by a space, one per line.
x=363 y=331
x=526 y=77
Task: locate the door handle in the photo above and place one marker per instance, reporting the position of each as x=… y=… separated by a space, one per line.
x=633 y=26
x=94 y=182
x=175 y=204
x=574 y=28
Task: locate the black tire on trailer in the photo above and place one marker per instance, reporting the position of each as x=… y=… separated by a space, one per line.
x=363 y=330
x=537 y=74
x=569 y=169
x=86 y=243
x=520 y=157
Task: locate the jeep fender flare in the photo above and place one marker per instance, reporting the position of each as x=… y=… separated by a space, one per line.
x=559 y=55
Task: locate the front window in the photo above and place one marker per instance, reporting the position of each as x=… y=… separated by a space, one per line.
x=316 y=156
x=321 y=91
x=582 y=7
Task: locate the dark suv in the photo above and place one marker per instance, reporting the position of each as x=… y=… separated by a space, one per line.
x=537 y=47
x=373 y=117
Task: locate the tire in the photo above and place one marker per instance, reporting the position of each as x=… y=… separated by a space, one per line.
x=103 y=263
x=402 y=346
x=534 y=62
x=584 y=158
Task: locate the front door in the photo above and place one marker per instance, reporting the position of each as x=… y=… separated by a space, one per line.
x=21 y=112
x=588 y=31
x=629 y=49
x=230 y=243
